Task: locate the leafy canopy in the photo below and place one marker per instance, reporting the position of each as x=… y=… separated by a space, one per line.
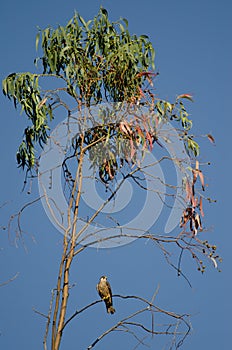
x=91 y=62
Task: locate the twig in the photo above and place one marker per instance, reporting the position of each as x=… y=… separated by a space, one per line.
x=10 y=280
x=115 y=327
x=48 y=321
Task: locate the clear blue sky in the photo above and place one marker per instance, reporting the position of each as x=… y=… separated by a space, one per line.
x=193 y=47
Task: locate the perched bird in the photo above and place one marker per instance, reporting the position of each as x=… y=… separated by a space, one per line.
x=104 y=290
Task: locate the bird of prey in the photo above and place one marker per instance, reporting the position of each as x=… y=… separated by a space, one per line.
x=104 y=290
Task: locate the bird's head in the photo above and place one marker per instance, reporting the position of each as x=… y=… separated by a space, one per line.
x=103 y=278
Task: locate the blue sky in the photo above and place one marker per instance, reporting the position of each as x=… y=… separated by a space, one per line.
x=192 y=40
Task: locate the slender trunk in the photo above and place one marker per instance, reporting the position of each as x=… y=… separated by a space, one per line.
x=66 y=261
x=65 y=296
x=57 y=301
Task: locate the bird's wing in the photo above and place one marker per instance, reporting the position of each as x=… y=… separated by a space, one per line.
x=100 y=291
x=109 y=288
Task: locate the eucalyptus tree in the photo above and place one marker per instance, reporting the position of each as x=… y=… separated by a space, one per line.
x=102 y=78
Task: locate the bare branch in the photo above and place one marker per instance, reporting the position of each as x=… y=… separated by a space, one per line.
x=48 y=321
x=125 y=322
x=10 y=280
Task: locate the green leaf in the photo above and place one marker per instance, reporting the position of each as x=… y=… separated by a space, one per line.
x=104 y=12
x=37 y=40
x=194 y=147
x=5 y=87
x=144 y=36
x=121 y=27
x=125 y=21
x=82 y=20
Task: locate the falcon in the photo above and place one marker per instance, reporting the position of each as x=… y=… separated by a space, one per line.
x=104 y=290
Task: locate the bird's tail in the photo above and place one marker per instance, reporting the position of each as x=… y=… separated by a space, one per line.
x=111 y=310
x=109 y=307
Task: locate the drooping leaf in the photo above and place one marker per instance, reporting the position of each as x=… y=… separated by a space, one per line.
x=188 y=189
x=201 y=176
x=186 y=96
x=201 y=207
x=211 y=138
